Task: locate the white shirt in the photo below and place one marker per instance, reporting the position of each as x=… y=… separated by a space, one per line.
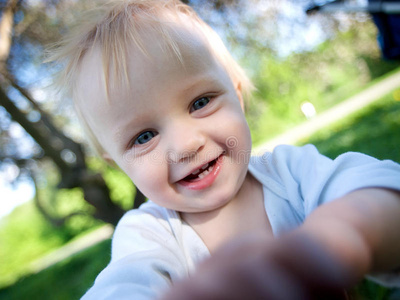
x=153 y=247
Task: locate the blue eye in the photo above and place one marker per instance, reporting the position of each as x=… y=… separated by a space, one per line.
x=200 y=103
x=145 y=137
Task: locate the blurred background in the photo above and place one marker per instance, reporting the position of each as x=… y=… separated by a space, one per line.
x=59 y=203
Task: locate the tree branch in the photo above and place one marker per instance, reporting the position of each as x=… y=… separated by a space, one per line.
x=47 y=121
x=39 y=133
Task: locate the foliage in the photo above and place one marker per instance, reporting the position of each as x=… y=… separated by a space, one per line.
x=122 y=189
x=68 y=202
x=336 y=70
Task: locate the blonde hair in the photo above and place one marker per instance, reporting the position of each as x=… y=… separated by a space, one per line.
x=113 y=26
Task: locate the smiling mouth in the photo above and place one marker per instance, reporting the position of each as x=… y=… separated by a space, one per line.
x=201 y=172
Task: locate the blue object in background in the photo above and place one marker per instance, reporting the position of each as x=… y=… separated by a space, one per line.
x=389 y=31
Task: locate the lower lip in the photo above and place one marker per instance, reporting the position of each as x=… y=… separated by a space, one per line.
x=206 y=181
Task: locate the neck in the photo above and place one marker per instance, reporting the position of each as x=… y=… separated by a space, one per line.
x=243 y=214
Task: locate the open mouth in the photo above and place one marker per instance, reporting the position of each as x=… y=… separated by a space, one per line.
x=204 y=176
x=201 y=172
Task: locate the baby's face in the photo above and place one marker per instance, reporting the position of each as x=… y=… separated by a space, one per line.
x=178 y=131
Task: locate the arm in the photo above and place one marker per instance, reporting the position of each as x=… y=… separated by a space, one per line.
x=361 y=229
x=338 y=244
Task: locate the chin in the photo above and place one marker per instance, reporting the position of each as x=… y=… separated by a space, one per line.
x=222 y=200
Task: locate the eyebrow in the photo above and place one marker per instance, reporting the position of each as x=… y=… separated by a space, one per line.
x=204 y=80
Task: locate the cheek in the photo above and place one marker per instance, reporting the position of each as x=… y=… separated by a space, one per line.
x=234 y=130
x=148 y=174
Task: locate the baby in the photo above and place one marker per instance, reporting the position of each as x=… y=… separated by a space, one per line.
x=161 y=97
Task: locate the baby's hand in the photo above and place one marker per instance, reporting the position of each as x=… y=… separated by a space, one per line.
x=256 y=267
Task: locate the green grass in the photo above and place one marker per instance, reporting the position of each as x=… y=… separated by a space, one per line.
x=368 y=290
x=25 y=236
x=375 y=130
x=19 y=236
x=66 y=280
x=268 y=120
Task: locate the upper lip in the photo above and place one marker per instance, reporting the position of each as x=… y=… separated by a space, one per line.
x=198 y=167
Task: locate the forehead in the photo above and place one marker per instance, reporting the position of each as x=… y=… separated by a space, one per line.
x=181 y=41
x=158 y=70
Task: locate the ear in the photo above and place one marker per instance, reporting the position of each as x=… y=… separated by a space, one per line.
x=238 y=88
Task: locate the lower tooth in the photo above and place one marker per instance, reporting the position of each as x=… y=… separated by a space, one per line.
x=205 y=173
x=202 y=175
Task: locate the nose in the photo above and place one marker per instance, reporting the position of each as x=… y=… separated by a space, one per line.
x=185 y=142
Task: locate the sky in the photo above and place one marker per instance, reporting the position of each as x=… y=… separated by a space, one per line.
x=14 y=194
x=11 y=197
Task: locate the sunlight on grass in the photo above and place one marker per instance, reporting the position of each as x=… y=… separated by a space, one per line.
x=374 y=130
